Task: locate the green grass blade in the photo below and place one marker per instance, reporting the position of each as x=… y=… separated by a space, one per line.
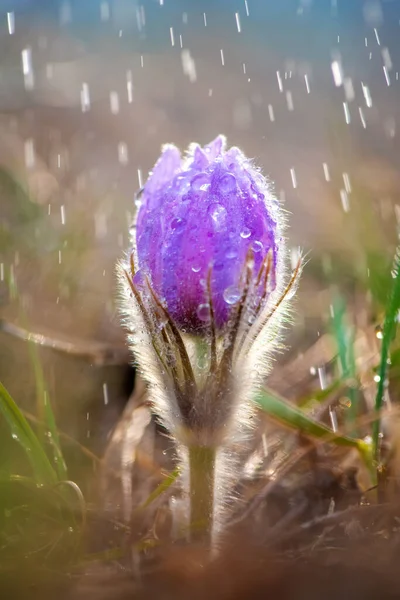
x=319 y=396
x=47 y=429
x=344 y=336
x=291 y=416
x=389 y=328
x=47 y=423
x=161 y=488
x=23 y=434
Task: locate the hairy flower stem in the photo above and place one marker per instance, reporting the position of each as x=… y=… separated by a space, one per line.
x=201 y=492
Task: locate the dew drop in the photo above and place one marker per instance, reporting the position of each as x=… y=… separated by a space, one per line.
x=231 y=253
x=227 y=183
x=203 y=312
x=232 y=295
x=181 y=183
x=218 y=214
x=200 y=182
x=138 y=279
x=246 y=233
x=196 y=268
x=177 y=223
x=218 y=266
x=257 y=246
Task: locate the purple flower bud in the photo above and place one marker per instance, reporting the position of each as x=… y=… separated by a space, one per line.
x=202 y=219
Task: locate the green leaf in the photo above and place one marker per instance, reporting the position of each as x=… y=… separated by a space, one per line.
x=48 y=432
x=23 y=434
x=344 y=336
x=319 y=395
x=388 y=333
x=291 y=416
x=47 y=424
x=161 y=488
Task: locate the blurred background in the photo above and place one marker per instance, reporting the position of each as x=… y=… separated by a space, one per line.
x=91 y=89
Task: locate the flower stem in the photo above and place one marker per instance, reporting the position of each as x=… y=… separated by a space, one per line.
x=201 y=472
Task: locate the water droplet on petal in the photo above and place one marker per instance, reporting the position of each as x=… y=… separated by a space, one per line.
x=177 y=224
x=196 y=268
x=227 y=183
x=200 y=182
x=231 y=253
x=203 y=312
x=257 y=246
x=218 y=214
x=232 y=294
x=138 y=279
x=182 y=183
x=218 y=265
x=246 y=233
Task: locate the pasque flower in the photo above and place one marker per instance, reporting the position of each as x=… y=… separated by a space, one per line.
x=202 y=214
x=204 y=292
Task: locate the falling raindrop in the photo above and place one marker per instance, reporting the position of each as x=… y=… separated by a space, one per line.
x=367 y=95
x=85 y=97
x=238 y=22
x=386 y=73
x=105 y=393
x=345 y=200
x=294 y=178
x=129 y=86
x=289 y=100
x=271 y=112
x=362 y=117
x=114 y=103
x=337 y=73
x=346 y=180
x=27 y=69
x=29 y=151
x=346 y=112
x=348 y=89
x=11 y=22
x=188 y=65
x=322 y=377
x=280 y=86
x=65 y=13
x=123 y=153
